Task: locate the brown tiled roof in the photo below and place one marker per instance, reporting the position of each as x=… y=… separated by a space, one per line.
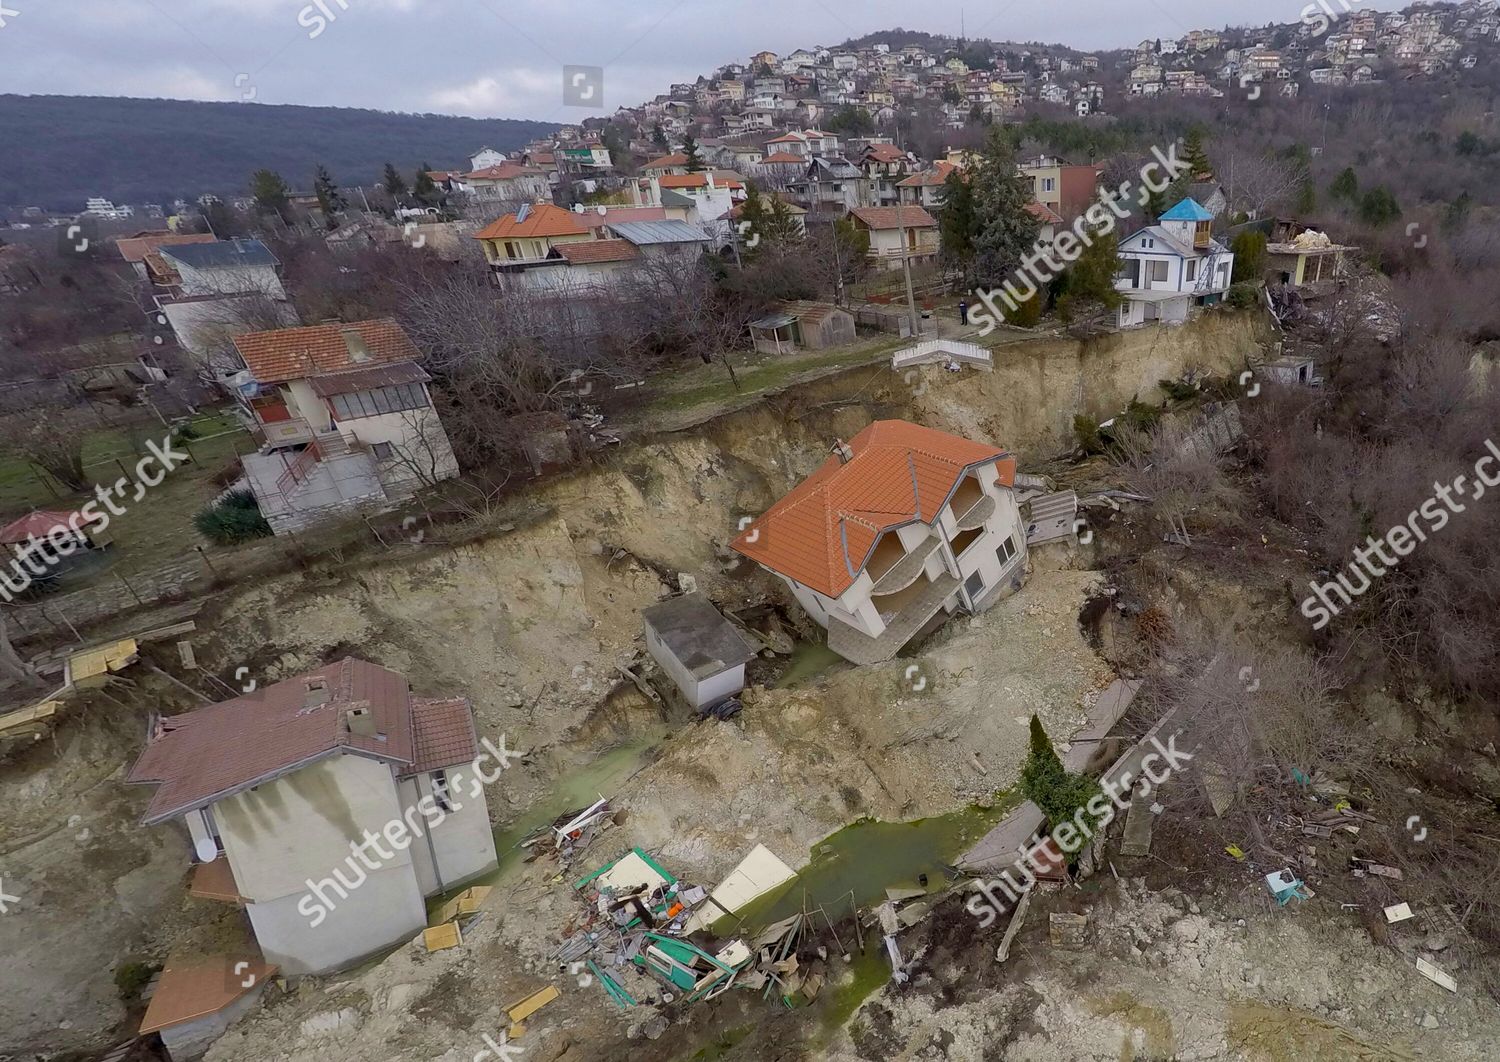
x=911 y=217
x=299 y=353
x=543 y=219
x=782 y=157
x=666 y=161
x=136 y=248
x=1043 y=213
x=503 y=172
x=830 y=522
x=198 y=987
x=885 y=153
x=596 y=251
x=683 y=180
x=938 y=174
x=208 y=754
x=442 y=734
x=348 y=383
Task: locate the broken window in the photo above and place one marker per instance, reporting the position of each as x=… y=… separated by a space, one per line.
x=440 y=791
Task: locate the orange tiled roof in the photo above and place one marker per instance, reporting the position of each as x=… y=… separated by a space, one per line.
x=136 y=248
x=675 y=159
x=502 y=172
x=596 y=251
x=299 y=353
x=885 y=153
x=937 y=175
x=830 y=522
x=912 y=217
x=543 y=220
x=683 y=180
x=1043 y=213
x=783 y=157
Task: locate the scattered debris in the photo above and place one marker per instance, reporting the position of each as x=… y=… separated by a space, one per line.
x=1016 y=919
x=525 y=1008
x=1286 y=887
x=443 y=937
x=1067 y=930
x=1436 y=976
x=1398 y=912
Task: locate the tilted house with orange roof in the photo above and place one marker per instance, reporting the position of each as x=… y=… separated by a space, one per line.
x=346 y=418
x=282 y=791
x=899 y=527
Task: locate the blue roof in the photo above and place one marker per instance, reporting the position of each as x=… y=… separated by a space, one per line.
x=1187 y=210
x=224 y=254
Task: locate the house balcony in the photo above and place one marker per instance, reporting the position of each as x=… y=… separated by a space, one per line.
x=905 y=571
x=914 y=606
x=977 y=515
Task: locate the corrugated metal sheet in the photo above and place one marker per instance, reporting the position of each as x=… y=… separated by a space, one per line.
x=345 y=383
x=650 y=232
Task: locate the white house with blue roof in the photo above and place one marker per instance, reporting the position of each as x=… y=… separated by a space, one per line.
x=1171 y=266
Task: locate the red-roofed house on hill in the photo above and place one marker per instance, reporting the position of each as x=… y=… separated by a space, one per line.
x=346 y=418
x=899 y=232
x=289 y=784
x=897 y=526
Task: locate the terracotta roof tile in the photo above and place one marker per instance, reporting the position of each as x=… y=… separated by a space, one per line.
x=136 y=248
x=542 y=220
x=676 y=159
x=782 y=158
x=442 y=734
x=503 y=172
x=299 y=353
x=41 y=524
x=683 y=180
x=912 y=217
x=207 y=754
x=596 y=251
x=938 y=174
x=900 y=472
x=1043 y=213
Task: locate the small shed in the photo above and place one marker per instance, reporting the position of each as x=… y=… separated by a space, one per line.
x=703 y=652
x=196 y=1000
x=808 y=325
x=52 y=535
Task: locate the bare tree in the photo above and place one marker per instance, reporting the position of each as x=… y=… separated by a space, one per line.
x=53 y=441
x=1256 y=182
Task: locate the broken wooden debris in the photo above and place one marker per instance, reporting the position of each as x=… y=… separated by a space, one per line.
x=1016 y=919
x=1436 y=975
x=443 y=937
x=525 y=1008
x=1138 y=824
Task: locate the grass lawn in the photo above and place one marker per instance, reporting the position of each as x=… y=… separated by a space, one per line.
x=705 y=386
x=159 y=527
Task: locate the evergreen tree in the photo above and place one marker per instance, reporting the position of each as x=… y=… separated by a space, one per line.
x=1249 y=249
x=330 y=200
x=1090 y=291
x=956 y=222
x=1199 y=168
x=1345 y=186
x=394 y=183
x=1005 y=230
x=272 y=195
x=1379 y=207
x=1048 y=785
x=659 y=139
x=694 y=161
x=425 y=188
x=1307 y=197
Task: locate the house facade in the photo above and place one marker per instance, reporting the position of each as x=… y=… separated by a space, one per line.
x=223 y=267
x=346 y=418
x=277 y=788
x=897 y=234
x=901 y=524
x=1169 y=267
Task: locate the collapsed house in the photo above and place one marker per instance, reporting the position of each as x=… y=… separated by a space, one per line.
x=898 y=525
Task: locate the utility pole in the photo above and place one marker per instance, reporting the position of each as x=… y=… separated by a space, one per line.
x=838 y=267
x=911 y=298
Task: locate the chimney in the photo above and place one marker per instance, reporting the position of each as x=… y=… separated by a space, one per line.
x=842 y=449
x=360 y=721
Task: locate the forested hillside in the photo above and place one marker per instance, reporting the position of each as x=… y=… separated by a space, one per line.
x=60 y=149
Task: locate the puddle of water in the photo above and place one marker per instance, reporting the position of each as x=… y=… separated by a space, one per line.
x=858 y=863
x=809 y=660
x=579 y=788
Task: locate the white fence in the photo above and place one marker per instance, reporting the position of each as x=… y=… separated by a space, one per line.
x=943 y=350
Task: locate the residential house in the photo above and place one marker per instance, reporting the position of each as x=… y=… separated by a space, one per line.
x=346 y=417
x=1167 y=268
x=925 y=189
x=1063 y=188
x=277 y=787
x=897 y=234
x=142 y=252
x=529 y=235
x=674 y=163
x=805 y=144
x=901 y=524
x=485 y=158
x=833 y=185
x=223 y=267
x=701 y=651
x=885 y=166
x=509 y=182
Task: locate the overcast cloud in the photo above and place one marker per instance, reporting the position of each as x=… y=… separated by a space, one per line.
x=495 y=59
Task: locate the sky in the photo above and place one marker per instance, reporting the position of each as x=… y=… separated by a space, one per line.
x=506 y=58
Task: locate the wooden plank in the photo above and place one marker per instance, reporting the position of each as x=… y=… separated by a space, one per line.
x=523 y=1009
x=1436 y=976
x=443 y=937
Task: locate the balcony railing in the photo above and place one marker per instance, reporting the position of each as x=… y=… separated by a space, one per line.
x=977 y=514
x=906 y=570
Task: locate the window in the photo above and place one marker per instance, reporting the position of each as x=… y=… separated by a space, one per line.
x=1049 y=184
x=1006 y=551
x=383 y=451
x=1192 y=270
x=380 y=400
x=973 y=585
x=440 y=790
x=1156 y=271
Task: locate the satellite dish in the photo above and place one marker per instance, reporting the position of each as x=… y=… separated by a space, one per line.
x=207 y=849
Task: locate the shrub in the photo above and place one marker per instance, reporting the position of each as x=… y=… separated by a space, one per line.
x=234 y=519
x=1026 y=314
x=1141 y=416
x=1086 y=429
x=131 y=977
x=1178 y=390
x=1249 y=249
x=1049 y=786
x=1243 y=295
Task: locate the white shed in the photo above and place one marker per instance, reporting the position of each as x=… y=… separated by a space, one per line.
x=698 y=647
